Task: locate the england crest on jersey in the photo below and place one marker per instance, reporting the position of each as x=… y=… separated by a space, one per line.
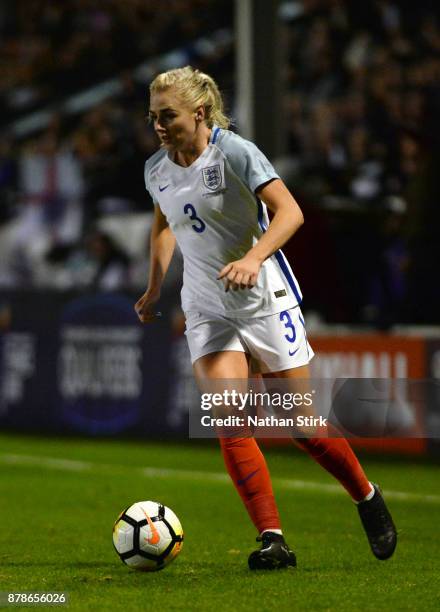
x=212 y=177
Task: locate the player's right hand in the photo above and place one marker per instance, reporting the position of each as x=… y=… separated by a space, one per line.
x=145 y=307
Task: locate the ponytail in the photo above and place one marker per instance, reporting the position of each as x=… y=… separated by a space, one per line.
x=195 y=89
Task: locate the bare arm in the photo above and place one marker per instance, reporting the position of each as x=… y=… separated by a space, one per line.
x=287 y=219
x=162 y=243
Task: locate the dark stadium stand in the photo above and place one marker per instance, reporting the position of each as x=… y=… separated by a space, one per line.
x=362 y=89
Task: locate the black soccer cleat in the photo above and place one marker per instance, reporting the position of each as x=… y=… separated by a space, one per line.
x=378 y=524
x=274 y=553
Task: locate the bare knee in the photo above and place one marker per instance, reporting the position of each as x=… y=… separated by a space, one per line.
x=223 y=364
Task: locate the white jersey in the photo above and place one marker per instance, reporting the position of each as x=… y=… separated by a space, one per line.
x=212 y=210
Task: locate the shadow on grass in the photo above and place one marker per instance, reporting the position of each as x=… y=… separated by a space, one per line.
x=97 y=571
x=96 y=565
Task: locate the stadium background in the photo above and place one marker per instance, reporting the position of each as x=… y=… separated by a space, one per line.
x=344 y=104
x=342 y=96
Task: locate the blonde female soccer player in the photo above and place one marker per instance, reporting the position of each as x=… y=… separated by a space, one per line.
x=240 y=298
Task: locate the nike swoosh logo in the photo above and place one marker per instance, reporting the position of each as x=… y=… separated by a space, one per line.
x=163 y=188
x=155 y=536
x=243 y=480
x=291 y=353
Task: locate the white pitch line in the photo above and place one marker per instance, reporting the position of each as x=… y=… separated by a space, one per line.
x=74 y=465
x=49 y=462
x=283 y=483
x=185 y=474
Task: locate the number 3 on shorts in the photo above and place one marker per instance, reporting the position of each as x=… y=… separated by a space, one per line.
x=288 y=324
x=189 y=209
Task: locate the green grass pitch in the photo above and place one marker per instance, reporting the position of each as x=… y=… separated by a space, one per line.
x=59 y=499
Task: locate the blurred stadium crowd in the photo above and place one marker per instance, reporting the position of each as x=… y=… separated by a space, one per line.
x=362 y=85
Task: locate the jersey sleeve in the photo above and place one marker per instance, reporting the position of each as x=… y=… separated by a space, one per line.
x=247 y=161
x=148 y=186
x=151 y=174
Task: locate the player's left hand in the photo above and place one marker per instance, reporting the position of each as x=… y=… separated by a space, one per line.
x=240 y=274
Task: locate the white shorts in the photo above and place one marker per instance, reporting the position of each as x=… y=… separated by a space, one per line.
x=275 y=342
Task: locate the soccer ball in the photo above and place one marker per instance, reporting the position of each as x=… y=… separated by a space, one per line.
x=147 y=536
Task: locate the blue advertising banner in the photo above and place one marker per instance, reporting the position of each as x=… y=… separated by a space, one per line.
x=84 y=363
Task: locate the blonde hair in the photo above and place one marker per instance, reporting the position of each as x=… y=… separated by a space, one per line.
x=195 y=89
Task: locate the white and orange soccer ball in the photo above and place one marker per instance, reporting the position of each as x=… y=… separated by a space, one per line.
x=147 y=536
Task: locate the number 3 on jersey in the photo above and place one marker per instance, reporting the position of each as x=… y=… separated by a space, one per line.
x=189 y=209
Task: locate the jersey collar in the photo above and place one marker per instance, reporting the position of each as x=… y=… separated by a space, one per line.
x=214 y=134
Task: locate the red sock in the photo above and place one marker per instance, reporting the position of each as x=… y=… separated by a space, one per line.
x=247 y=468
x=336 y=456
